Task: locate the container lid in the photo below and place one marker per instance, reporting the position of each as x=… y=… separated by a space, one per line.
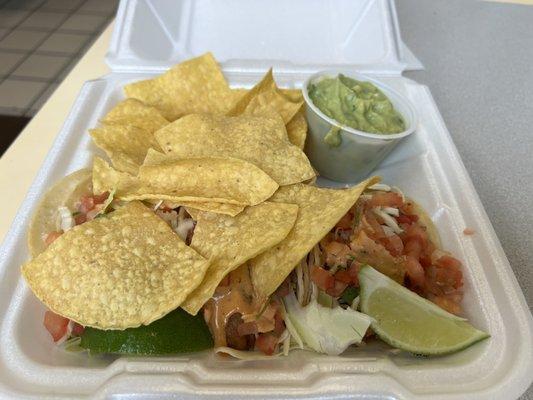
x=297 y=36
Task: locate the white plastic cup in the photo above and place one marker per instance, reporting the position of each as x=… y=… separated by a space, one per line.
x=359 y=152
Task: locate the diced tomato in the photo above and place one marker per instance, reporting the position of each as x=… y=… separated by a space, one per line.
x=416 y=232
x=386 y=199
x=425 y=261
x=413 y=247
x=86 y=204
x=446 y=304
x=77 y=329
x=266 y=343
x=51 y=237
x=100 y=198
x=55 y=324
x=415 y=272
x=393 y=244
x=406 y=218
x=408 y=208
x=449 y=262
x=247 y=328
x=322 y=278
x=354 y=272
x=377 y=231
x=344 y=276
x=284 y=289
x=80 y=218
x=346 y=221
x=279 y=326
x=446 y=278
x=337 y=289
x=336 y=253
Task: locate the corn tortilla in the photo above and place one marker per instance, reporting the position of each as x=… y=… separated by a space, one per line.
x=125 y=145
x=67 y=192
x=136 y=113
x=319 y=210
x=229 y=242
x=125 y=269
x=222 y=180
x=266 y=96
x=194 y=86
x=297 y=129
x=248 y=138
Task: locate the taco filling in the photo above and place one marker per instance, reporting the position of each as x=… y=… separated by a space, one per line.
x=205 y=229
x=383 y=229
x=317 y=305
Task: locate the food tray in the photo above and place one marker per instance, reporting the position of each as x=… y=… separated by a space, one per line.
x=426 y=166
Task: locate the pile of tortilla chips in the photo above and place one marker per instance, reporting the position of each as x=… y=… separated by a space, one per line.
x=232 y=157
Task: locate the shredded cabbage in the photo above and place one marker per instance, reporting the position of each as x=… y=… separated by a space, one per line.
x=326 y=330
x=65 y=221
x=183 y=227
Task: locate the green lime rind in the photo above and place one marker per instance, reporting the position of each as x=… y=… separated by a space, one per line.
x=409 y=322
x=175 y=333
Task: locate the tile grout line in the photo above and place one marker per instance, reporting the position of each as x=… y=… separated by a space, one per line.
x=77 y=32
x=34 y=49
x=27 y=52
x=75 y=58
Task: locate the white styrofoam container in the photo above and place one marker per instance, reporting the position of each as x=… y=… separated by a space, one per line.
x=426 y=166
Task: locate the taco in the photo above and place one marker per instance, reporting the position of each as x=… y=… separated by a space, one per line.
x=316 y=304
x=49 y=216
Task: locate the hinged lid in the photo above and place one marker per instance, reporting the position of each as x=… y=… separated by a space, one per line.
x=296 y=36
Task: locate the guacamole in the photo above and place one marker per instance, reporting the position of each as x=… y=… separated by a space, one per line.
x=357 y=104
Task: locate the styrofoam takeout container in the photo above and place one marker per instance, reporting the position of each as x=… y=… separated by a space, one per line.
x=359 y=153
x=297 y=38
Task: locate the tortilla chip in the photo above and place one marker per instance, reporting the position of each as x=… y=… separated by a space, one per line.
x=197 y=206
x=125 y=145
x=230 y=241
x=134 y=112
x=214 y=207
x=221 y=180
x=194 y=86
x=67 y=192
x=125 y=269
x=266 y=96
x=320 y=209
x=297 y=129
x=245 y=137
x=294 y=95
x=238 y=93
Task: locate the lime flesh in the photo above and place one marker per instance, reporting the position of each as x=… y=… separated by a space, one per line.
x=409 y=322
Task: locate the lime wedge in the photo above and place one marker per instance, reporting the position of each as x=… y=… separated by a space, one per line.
x=409 y=322
x=177 y=332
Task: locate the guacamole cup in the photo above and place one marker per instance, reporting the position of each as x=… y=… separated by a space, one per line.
x=345 y=154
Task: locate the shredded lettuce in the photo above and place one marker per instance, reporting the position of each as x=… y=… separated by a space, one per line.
x=65 y=221
x=325 y=330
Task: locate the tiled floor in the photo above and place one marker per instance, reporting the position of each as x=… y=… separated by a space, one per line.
x=40 y=41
